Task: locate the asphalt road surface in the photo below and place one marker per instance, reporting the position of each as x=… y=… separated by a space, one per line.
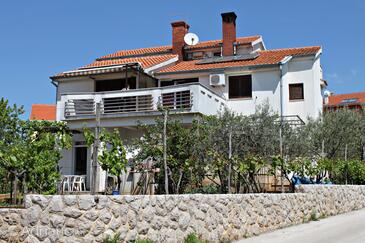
x=344 y=228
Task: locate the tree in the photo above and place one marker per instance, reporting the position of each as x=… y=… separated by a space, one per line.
x=45 y=141
x=30 y=150
x=113 y=156
x=179 y=152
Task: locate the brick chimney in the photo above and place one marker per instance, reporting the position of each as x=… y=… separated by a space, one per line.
x=229 y=33
x=179 y=29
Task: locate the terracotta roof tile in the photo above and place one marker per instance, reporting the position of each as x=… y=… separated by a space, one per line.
x=335 y=100
x=43 y=112
x=140 y=51
x=146 y=62
x=168 y=49
x=265 y=57
x=217 y=43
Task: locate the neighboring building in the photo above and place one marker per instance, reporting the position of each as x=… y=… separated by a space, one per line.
x=235 y=72
x=43 y=112
x=352 y=101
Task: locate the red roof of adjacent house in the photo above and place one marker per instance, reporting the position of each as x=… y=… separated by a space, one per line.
x=346 y=99
x=43 y=112
x=265 y=57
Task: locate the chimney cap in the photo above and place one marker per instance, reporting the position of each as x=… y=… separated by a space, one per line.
x=229 y=16
x=180 y=23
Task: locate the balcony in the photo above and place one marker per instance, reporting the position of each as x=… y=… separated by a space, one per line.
x=186 y=98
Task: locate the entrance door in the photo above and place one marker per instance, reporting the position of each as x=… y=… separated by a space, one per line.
x=80 y=160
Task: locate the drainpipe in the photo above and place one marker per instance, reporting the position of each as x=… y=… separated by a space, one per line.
x=281 y=64
x=56 y=85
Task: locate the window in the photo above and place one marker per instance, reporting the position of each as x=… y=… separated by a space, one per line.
x=351 y=100
x=167 y=83
x=114 y=84
x=179 y=81
x=187 y=80
x=240 y=86
x=296 y=92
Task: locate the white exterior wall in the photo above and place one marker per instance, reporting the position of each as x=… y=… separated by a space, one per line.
x=77 y=85
x=266 y=88
x=306 y=71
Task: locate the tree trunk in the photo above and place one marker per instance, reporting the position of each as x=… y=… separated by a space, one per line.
x=230 y=161
x=164 y=153
x=119 y=184
x=15 y=189
x=179 y=181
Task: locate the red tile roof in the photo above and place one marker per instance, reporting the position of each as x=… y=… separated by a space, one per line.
x=265 y=57
x=146 y=62
x=43 y=112
x=149 y=57
x=140 y=51
x=337 y=100
x=218 y=43
x=168 y=49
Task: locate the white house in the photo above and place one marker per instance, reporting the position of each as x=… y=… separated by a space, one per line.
x=236 y=72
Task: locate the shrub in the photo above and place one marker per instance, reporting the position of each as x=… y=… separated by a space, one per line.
x=192 y=238
x=314 y=216
x=144 y=241
x=113 y=239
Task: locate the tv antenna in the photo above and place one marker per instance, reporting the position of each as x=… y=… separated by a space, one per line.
x=191 y=39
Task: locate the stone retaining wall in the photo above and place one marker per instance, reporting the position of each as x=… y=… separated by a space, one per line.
x=171 y=218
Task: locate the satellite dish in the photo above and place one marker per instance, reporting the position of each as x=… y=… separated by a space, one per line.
x=327 y=93
x=191 y=39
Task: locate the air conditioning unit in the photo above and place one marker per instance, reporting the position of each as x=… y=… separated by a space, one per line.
x=217 y=79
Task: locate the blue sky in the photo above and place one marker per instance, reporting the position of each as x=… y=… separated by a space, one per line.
x=41 y=38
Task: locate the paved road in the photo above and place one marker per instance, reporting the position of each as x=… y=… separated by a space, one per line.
x=344 y=228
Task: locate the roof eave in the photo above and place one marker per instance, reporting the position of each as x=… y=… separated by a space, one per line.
x=219 y=69
x=268 y=65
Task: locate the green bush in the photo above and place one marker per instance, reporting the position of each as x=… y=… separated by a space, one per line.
x=349 y=172
x=144 y=241
x=113 y=239
x=192 y=238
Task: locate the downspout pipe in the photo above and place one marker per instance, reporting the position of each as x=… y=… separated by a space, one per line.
x=56 y=85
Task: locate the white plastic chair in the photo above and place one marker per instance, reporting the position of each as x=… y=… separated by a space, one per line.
x=67 y=182
x=79 y=183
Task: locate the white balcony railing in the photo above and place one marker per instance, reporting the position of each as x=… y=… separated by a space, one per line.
x=181 y=98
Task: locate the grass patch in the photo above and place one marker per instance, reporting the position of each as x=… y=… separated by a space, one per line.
x=144 y=241
x=314 y=216
x=193 y=238
x=113 y=239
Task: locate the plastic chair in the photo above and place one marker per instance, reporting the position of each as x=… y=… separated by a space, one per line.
x=79 y=183
x=66 y=182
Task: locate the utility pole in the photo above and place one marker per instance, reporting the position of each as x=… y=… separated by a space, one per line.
x=95 y=150
x=229 y=159
x=164 y=152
